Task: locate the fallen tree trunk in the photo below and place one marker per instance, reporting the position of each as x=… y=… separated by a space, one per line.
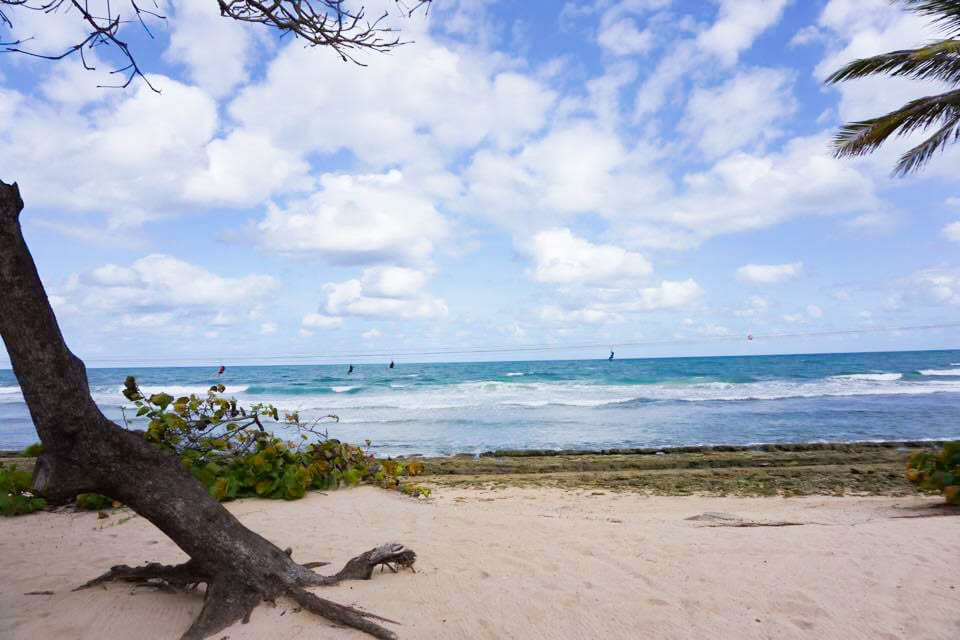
x=86 y=452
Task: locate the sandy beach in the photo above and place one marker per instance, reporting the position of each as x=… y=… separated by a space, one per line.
x=532 y=563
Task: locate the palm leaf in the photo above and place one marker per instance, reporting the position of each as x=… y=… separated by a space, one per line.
x=945 y=14
x=936 y=61
x=860 y=138
x=923 y=152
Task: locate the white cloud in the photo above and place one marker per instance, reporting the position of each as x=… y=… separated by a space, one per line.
x=357 y=219
x=136 y=151
x=370 y=334
x=738 y=24
x=807 y=35
x=419 y=106
x=740 y=112
x=578 y=167
x=555 y=315
x=146 y=320
x=952 y=231
x=750 y=191
x=157 y=290
x=244 y=169
x=268 y=328
x=623 y=38
x=874 y=221
x=938 y=285
x=46 y=32
x=930 y=287
x=812 y=312
x=321 y=321
x=616 y=304
x=863 y=28
x=755 y=306
x=561 y=257
x=215 y=50
x=769 y=273
x=382 y=292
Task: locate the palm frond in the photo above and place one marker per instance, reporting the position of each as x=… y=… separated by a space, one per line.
x=921 y=154
x=860 y=138
x=945 y=14
x=936 y=61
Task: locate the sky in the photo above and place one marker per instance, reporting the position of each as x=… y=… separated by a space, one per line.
x=650 y=176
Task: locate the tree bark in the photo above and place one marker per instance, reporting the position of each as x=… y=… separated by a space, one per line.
x=86 y=452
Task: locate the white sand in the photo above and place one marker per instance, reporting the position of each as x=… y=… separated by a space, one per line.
x=531 y=564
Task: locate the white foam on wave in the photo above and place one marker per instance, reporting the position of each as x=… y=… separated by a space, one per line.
x=10 y=395
x=513 y=374
x=481 y=395
x=939 y=372
x=875 y=377
x=344 y=389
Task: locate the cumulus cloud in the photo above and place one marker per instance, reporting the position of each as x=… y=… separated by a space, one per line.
x=754 y=190
x=616 y=304
x=382 y=292
x=952 y=231
x=769 y=273
x=742 y=111
x=158 y=289
x=577 y=168
x=936 y=285
x=561 y=257
x=245 y=168
x=129 y=158
x=215 y=51
x=48 y=33
x=357 y=219
x=622 y=37
x=738 y=24
x=418 y=106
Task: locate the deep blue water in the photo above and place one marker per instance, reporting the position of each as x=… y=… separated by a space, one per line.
x=473 y=407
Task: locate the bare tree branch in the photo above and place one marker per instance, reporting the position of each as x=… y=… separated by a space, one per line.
x=319 y=23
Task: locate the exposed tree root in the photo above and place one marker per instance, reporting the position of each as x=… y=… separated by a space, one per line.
x=343 y=615
x=230 y=596
x=179 y=575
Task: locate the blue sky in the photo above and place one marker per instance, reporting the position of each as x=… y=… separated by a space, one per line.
x=523 y=174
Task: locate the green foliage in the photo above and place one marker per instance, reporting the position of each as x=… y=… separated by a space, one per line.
x=937 y=471
x=15 y=496
x=228 y=448
x=33 y=450
x=93 y=502
x=937 y=61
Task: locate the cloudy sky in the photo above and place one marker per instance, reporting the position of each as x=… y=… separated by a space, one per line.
x=523 y=175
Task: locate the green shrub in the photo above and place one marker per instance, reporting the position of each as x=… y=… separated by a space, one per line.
x=33 y=450
x=15 y=496
x=228 y=448
x=937 y=471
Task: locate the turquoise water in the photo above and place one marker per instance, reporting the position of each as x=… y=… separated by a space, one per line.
x=581 y=404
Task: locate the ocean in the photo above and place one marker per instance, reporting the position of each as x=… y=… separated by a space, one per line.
x=577 y=404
